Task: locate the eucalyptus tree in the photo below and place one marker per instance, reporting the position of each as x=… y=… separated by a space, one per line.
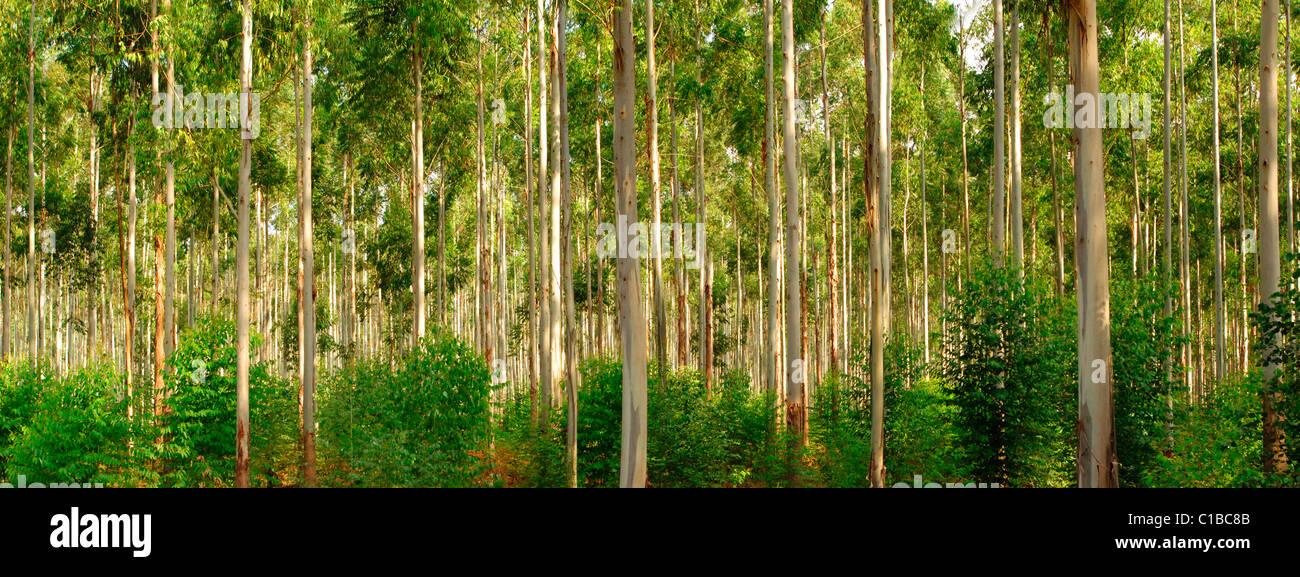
x=242 y=426
x=632 y=470
x=1097 y=465
x=1269 y=221
x=796 y=419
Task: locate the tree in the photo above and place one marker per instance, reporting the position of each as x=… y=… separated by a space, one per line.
x=1097 y=466
x=242 y=429
x=773 y=210
x=307 y=258
x=795 y=419
x=998 y=232
x=632 y=470
x=1270 y=268
x=1220 y=369
x=652 y=151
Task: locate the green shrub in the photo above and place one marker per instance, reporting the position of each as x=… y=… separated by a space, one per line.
x=20 y=387
x=199 y=423
x=1009 y=368
x=1143 y=345
x=1216 y=443
x=1277 y=324
x=77 y=430
x=423 y=424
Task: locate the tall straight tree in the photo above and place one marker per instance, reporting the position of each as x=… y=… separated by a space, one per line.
x=795 y=419
x=1270 y=270
x=879 y=255
x=572 y=376
x=998 y=223
x=1168 y=166
x=547 y=353
x=160 y=251
x=241 y=267
x=1219 y=313
x=168 y=326
x=32 y=353
x=307 y=258
x=484 y=321
x=5 y=344
x=1097 y=466
x=1017 y=196
x=632 y=470
x=417 y=207
x=773 y=210
x=701 y=220
x=652 y=152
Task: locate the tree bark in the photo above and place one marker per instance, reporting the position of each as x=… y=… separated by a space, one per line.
x=652 y=152
x=242 y=430
x=998 y=225
x=1096 y=463
x=1270 y=271
x=773 y=381
x=1219 y=313
x=632 y=471
x=795 y=370
x=417 y=210
x=308 y=258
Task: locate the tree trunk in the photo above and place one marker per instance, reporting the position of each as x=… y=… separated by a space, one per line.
x=880 y=253
x=483 y=224
x=1219 y=335
x=1017 y=200
x=574 y=379
x=242 y=431
x=795 y=370
x=831 y=265
x=1270 y=271
x=1097 y=466
x=701 y=221
x=5 y=345
x=417 y=210
x=632 y=471
x=652 y=152
x=547 y=353
x=774 y=382
x=530 y=201
x=998 y=225
x=308 y=258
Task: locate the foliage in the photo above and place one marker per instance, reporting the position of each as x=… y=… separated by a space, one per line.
x=1143 y=347
x=1278 y=326
x=199 y=423
x=1009 y=371
x=423 y=423
x=76 y=429
x=696 y=439
x=1216 y=443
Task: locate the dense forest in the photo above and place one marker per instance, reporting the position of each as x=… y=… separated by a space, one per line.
x=630 y=243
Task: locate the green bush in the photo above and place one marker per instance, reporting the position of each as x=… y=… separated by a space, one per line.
x=424 y=423
x=199 y=422
x=20 y=387
x=1276 y=323
x=77 y=430
x=1143 y=345
x=1216 y=443
x=1009 y=366
x=694 y=439
x=919 y=435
